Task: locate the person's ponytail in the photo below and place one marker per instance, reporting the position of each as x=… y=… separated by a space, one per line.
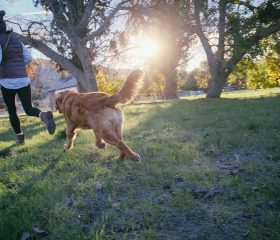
x=3 y=27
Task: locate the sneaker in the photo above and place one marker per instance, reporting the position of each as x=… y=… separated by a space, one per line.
x=47 y=118
x=20 y=139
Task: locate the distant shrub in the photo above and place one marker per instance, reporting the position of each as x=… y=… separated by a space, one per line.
x=107 y=85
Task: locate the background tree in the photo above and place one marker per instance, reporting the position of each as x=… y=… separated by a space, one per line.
x=228 y=30
x=36 y=84
x=198 y=78
x=188 y=80
x=109 y=84
x=262 y=71
x=73 y=34
x=238 y=76
x=174 y=45
x=162 y=20
x=202 y=76
x=154 y=84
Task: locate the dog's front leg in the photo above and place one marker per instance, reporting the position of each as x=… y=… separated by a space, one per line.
x=71 y=135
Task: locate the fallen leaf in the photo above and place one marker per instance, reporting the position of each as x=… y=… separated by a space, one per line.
x=25 y=235
x=38 y=230
x=115 y=204
x=245 y=234
x=212 y=193
x=98 y=186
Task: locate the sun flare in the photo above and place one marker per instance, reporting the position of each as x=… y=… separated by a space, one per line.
x=144 y=49
x=148 y=47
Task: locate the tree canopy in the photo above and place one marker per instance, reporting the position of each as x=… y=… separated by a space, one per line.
x=74 y=34
x=228 y=31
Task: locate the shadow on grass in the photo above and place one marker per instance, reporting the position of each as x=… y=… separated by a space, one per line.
x=23 y=203
x=169 y=195
x=7 y=151
x=30 y=129
x=239 y=129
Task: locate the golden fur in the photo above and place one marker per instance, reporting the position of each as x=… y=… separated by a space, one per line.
x=99 y=111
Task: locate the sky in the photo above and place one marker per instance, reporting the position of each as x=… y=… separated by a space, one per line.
x=14 y=8
x=20 y=9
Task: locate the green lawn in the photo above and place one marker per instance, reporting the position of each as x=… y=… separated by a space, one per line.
x=210 y=170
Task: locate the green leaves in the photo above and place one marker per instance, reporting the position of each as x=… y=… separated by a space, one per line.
x=269 y=12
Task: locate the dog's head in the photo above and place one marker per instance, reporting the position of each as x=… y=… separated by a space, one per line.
x=59 y=98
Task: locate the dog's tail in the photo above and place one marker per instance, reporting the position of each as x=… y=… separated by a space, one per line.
x=127 y=92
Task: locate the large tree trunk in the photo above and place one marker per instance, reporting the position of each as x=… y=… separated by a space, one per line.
x=86 y=80
x=81 y=69
x=89 y=80
x=88 y=83
x=170 y=90
x=217 y=83
x=80 y=87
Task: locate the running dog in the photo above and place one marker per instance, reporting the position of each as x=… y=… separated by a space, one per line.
x=100 y=112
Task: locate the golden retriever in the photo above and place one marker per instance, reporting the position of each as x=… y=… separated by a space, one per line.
x=99 y=111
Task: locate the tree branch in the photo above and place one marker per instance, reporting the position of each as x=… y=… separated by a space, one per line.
x=21 y=29
x=59 y=17
x=221 y=30
x=85 y=18
x=65 y=63
x=204 y=41
x=107 y=21
x=243 y=3
x=117 y=54
x=274 y=28
x=239 y=54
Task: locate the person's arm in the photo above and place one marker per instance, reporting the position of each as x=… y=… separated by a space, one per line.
x=26 y=54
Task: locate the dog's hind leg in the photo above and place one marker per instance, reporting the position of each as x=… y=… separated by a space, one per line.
x=119 y=136
x=125 y=150
x=99 y=142
x=71 y=135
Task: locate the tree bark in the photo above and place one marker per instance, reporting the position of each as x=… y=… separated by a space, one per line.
x=170 y=90
x=219 y=67
x=89 y=75
x=80 y=87
x=216 y=86
x=75 y=20
x=65 y=63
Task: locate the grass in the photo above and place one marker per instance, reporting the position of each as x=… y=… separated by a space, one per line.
x=210 y=170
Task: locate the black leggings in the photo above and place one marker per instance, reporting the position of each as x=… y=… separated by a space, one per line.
x=24 y=94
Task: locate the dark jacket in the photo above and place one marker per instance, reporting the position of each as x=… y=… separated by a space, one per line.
x=12 y=65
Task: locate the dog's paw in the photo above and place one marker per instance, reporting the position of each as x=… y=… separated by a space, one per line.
x=136 y=157
x=67 y=147
x=101 y=145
